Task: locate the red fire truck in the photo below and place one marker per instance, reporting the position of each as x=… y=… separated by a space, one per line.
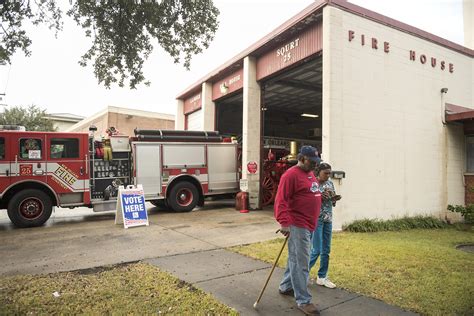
x=40 y=170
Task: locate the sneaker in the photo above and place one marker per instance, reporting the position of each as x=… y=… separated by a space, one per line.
x=289 y=292
x=309 y=309
x=325 y=282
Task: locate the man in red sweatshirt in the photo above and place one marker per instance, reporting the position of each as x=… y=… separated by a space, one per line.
x=297 y=207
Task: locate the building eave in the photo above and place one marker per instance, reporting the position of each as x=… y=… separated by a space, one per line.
x=403 y=27
x=237 y=61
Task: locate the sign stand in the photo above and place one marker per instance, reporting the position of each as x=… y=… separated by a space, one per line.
x=131 y=210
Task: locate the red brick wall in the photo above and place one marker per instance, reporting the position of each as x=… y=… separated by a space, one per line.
x=124 y=123
x=469 y=190
x=127 y=123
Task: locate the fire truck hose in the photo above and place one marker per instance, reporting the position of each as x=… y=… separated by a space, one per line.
x=180 y=138
x=163 y=132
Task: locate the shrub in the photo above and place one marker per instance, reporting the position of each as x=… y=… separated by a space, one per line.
x=467 y=212
x=376 y=225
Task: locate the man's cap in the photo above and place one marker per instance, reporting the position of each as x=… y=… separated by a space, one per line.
x=311 y=153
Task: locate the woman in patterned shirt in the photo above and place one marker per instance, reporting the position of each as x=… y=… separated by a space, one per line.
x=321 y=239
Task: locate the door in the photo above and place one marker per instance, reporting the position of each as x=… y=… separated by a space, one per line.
x=28 y=158
x=4 y=164
x=194 y=121
x=67 y=167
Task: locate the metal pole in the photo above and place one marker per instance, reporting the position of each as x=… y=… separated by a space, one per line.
x=93 y=164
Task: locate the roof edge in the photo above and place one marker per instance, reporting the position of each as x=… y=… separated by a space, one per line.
x=456 y=113
x=137 y=112
x=318 y=4
x=87 y=120
x=456 y=117
x=400 y=26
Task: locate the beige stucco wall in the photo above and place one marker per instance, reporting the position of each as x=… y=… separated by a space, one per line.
x=100 y=122
x=382 y=120
x=125 y=121
x=251 y=129
x=179 y=121
x=468 y=21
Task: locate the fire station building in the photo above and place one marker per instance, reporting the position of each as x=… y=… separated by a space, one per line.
x=388 y=105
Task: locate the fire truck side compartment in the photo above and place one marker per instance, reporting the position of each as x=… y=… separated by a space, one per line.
x=212 y=167
x=184 y=155
x=222 y=168
x=148 y=168
x=105 y=172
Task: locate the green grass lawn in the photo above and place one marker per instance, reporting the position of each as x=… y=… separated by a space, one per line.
x=419 y=270
x=139 y=289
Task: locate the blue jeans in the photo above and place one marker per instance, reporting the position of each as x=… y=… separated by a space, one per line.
x=297 y=268
x=321 y=241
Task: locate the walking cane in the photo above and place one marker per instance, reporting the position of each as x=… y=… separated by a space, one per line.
x=271 y=272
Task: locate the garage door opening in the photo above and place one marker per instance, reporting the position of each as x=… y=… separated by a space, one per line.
x=229 y=113
x=193 y=121
x=292 y=104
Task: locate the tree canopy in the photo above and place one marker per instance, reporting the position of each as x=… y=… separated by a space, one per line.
x=122 y=32
x=32 y=118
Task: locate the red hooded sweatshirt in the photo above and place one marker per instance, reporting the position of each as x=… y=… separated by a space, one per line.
x=298 y=200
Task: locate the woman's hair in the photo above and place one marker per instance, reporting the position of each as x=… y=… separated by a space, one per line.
x=323 y=166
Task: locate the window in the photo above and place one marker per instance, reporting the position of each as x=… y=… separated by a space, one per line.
x=470 y=154
x=30 y=148
x=64 y=148
x=2 y=148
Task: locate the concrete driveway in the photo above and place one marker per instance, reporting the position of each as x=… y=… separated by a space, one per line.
x=79 y=238
x=188 y=245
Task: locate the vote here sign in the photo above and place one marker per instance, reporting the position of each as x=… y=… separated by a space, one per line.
x=131 y=205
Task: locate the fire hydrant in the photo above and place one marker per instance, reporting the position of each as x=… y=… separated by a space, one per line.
x=241 y=202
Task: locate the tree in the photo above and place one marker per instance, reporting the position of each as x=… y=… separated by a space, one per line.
x=32 y=118
x=121 y=31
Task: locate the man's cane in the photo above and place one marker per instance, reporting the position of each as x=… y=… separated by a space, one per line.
x=271 y=272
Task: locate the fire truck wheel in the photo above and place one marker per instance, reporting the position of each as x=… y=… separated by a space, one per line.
x=30 y=208
x=183 y=197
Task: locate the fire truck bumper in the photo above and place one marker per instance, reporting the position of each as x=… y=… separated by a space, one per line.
x=104 y=206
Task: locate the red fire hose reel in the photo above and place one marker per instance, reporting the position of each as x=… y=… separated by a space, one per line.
x=273 y=170
x=272 y=173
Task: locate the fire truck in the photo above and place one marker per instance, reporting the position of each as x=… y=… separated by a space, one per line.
x=177 y=169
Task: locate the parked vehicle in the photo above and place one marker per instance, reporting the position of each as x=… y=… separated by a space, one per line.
x=40 y=170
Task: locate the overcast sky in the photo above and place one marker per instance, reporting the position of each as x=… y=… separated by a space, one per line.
x=52 y=78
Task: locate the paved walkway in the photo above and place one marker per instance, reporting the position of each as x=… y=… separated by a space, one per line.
x=237 y=280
